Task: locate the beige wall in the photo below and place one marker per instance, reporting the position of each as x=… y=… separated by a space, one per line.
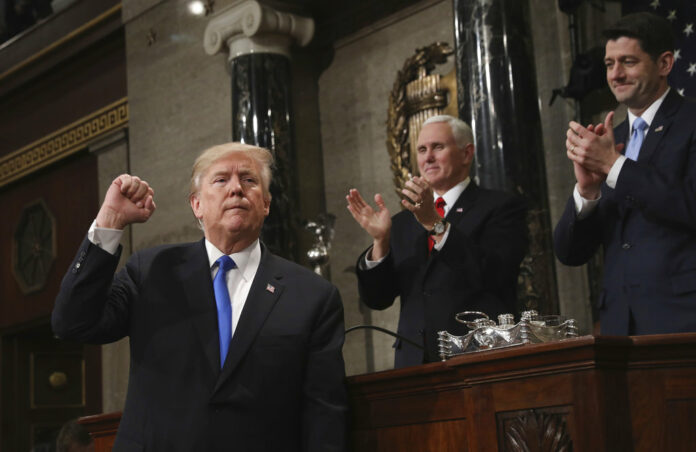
x=553 y=61
x=179 y=100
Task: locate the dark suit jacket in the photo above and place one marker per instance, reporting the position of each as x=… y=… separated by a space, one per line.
x=282 y=386
x=647 y=225
x=476 y=270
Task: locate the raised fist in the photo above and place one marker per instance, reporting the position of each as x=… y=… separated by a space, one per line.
x=128 y=200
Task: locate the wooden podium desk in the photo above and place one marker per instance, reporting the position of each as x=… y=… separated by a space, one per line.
x=586 y=394
x=593 y=394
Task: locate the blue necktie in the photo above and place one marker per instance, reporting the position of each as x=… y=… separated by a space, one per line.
x=636 y=139
x=224 y=305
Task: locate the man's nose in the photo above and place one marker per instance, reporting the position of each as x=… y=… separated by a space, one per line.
x=614 y=72
x=235 y=186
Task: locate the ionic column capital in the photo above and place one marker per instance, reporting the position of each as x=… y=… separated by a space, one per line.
x=249 y=26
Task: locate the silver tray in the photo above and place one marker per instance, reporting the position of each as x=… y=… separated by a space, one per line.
x=485 y=334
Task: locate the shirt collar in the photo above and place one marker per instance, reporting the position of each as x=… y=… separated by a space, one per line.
x=247 y=260
x=453 y=193
x=649 y=114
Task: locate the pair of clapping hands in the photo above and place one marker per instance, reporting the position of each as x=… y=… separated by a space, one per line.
x=593 y=151
x=417 y=196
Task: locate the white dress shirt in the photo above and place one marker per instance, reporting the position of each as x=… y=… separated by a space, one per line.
x=239 y=279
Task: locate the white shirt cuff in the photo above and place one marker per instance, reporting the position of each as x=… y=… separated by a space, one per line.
x=105 y=238
x=613 y=175
x=372 y=264
x=584 y=207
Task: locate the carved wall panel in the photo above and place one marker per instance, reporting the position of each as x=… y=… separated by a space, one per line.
x=535 y=430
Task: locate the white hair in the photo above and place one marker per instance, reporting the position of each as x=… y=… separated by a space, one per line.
x=460 y=130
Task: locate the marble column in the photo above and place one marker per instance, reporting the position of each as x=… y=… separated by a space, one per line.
x=498 y=97
x=257 y=38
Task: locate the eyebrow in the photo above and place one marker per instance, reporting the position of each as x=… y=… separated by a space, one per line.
x=431 y=143
x=244 y=171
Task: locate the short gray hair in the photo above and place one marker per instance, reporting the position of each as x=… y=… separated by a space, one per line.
x=461 y=131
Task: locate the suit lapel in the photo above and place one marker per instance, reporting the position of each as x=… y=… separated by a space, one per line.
x=660 y=125
x=194 y=272
x=620 y=137
x=465 y=202
x=621 y=134
x=263 y=295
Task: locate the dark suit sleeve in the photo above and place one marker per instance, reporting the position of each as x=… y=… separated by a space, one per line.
x=576 y=241
x=325 y=400
x=91 y=305
x=377 y=286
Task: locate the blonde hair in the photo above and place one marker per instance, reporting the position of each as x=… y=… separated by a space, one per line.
x=205 y=160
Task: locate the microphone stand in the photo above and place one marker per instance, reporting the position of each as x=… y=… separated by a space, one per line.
x=385 y=331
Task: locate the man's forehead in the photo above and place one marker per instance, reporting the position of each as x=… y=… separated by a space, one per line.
x=622 y=45
x=234 y=162
x=435 y=132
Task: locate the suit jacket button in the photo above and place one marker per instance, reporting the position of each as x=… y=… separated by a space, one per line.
x=626 y=246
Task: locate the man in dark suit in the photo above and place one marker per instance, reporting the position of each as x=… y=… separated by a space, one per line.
x=641 y=204
x=280 y=384
x=457 y=250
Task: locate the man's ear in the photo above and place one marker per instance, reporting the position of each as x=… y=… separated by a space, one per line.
x=665 y=62
x=468 y=154
x=195 y=205
x=267 y=204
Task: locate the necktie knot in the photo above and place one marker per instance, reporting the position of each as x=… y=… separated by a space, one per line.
x=440 y=206
x=639 y=124
x=225 y=263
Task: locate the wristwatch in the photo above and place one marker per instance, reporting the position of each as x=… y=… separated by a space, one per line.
x=439 y=227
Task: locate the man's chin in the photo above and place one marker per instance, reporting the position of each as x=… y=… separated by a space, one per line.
x=622 y=94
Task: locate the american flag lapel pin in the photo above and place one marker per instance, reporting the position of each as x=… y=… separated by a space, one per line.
x=460 y=209
x=659 y=128
x=270 y=288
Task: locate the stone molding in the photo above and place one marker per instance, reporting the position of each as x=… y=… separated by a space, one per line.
x=63 y=142
x=252 y=27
